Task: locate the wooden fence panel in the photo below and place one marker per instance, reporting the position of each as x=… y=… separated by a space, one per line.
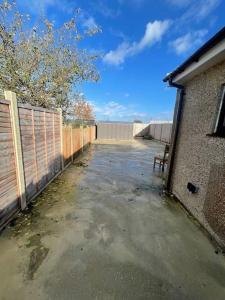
x=40 y=143
x=93 y=133
x=9 y=200
x=76 y=140
x=67 y=144
x=86 y=140
x=50 y=144
x=89 y=135
x=40 y=140
x=86 y=136
x=29 y=151
x=57 y=135
x=73 y=138
x=40 y=146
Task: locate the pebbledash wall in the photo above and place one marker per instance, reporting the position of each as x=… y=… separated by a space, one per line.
x=34 y=148
x=200 y=159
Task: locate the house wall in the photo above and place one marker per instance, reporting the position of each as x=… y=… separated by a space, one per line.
x=200 y=159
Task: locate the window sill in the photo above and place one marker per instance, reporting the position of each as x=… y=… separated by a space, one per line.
x=215 y=135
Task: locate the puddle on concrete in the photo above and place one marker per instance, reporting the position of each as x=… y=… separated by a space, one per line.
x=105 y=230
x=44 y=215
x=58 y=193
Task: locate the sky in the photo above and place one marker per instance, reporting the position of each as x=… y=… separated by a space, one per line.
x=140 y=42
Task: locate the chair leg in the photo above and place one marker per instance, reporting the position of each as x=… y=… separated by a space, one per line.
x=154 y=163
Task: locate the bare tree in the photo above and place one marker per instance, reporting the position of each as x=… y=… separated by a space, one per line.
x=43 y=64
x=83 y=110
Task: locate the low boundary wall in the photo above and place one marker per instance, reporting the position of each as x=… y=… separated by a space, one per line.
x=161 y=132
x=128 y=131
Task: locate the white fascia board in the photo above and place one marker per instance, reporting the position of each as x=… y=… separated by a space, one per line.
x=209 y=59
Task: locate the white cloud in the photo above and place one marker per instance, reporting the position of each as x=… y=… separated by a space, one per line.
x=90 y=23
x=117 y=57
x=153 y=34
x=206 y=6
x=188 y=41
x=114 y=111
x=194 y=13
x=40 y=7
x=198 y=10
x=163 y=116
x=110 y=109
x=36 y=7
x=104 y=7
x=179 y=3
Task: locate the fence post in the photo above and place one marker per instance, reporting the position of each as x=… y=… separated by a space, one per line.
x=71 y=141
x=61 y=137
x=82 y=138
x=10 y=96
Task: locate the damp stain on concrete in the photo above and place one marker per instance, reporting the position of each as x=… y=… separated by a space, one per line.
x=104 y=230
x=37 y=256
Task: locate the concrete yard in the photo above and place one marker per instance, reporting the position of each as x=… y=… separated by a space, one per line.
x=104 y=230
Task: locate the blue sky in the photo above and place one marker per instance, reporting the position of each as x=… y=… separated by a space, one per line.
x=141 y=41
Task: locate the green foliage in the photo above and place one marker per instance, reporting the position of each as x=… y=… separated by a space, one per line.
x=42 y=64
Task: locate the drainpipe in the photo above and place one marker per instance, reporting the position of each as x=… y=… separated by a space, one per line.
x=176 y=124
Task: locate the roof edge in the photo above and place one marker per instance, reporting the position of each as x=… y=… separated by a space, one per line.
x=218 y=37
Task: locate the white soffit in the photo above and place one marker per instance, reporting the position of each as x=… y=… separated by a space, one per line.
x=207 y=60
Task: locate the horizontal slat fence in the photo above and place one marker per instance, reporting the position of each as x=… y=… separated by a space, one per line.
x=77 y=142
x=67 y=145
x=8 y=177
x=43 y=144
x=75 y=139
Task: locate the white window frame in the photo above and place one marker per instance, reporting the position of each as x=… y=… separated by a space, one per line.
x=222 y=101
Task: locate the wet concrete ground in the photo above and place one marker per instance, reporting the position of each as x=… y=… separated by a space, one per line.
x=103 y=230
